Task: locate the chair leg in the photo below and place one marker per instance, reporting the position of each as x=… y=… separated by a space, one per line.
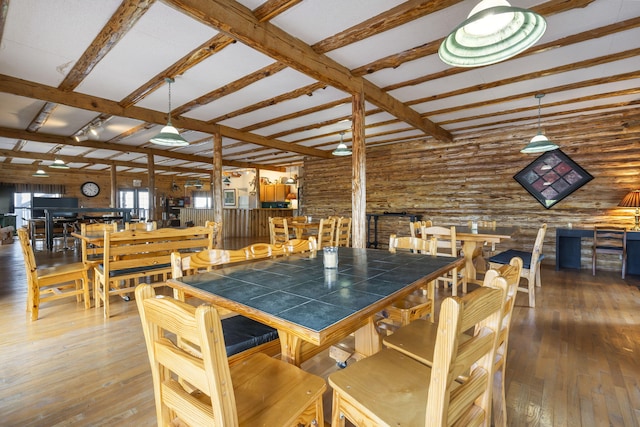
x=532 y=287
x=85 y=291
x=35 y=301
x=499 y=409
x=336 y=419
x=454 y=282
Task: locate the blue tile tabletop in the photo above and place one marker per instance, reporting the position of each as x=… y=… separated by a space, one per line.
x=298 y=290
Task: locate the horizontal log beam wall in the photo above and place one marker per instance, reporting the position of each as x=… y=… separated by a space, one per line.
x=472 y=178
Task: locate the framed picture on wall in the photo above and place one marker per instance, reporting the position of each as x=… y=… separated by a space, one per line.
x=552 y=177
x=229 y=198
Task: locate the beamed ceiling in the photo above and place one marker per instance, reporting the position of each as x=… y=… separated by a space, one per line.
x=275 y=77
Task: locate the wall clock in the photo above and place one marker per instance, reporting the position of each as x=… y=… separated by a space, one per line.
x=90 y=189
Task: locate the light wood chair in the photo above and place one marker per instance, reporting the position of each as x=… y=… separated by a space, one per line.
x=48 y=284
x=343 y=232
x=530 y=264
x=202 y=389
x=278 y=230
x=243 y=336
x=415 y=227
x=295 y=246
x=326 y=232
x=416 y=305
x=611 y=241
x=146 y=226
x=265 y=250
x=217 y=230
x=92 y=254
x=446 y=245
x=418 y=340
x=391 y=389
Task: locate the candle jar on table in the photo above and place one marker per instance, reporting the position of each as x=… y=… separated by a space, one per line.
x=330 y=256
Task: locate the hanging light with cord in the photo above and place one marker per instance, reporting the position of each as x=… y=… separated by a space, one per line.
x=539 y=143
x=342 y=149
x=169 y=135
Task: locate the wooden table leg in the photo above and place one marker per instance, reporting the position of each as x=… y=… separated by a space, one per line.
x=368 y=340
x=468 y=248
x=290 y=348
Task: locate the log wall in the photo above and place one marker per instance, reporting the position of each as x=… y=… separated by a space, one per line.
x=472 y=178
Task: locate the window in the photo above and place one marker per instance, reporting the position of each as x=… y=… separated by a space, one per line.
x=136 y=199
x=201 y=199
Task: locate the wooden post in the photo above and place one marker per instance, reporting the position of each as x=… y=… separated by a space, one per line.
x=152 y=188
x=216 y=185
x=114 y=188
x=359 y=177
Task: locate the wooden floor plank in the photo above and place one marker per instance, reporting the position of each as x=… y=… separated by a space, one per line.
x=574 y=360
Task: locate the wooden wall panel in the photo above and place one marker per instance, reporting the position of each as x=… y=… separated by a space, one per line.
x=472 y=178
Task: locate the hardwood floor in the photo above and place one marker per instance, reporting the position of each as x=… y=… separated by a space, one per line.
x=574 y=360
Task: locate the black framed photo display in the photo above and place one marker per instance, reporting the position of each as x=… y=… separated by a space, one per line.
x=552 y=177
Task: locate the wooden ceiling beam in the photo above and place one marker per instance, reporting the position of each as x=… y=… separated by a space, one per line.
x=238 y=21
x=124 y=18
x=392 y=18
x=396 y=60
x=57 y=139
x=272 y=8
x=34 y=90
x=303 y=91
x=591 y=62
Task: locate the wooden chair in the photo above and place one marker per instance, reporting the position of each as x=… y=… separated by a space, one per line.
x=243 y=336
x=265 y=250
x=530 y=264
x=343 y=232
x=446 y=245
x=415 y=227
x=261 y=391
x=146 y=226
x=48 y=284
x=278 y=230
x=92 y=254
x=326 y=232
x=609 y=241
x=418 y=340
x=391 y=389
x=295 y=246
x=416 y=305
x=217 y=230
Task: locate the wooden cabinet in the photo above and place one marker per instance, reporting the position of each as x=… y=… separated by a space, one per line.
x=273 y=192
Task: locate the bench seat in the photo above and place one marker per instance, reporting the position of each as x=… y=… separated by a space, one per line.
x=241 y=334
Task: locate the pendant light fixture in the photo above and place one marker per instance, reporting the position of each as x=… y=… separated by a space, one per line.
x=169 y=136
x=539 y=143
x=493 y=31
x=59 y=164
x=342 y=149
x=40 y=173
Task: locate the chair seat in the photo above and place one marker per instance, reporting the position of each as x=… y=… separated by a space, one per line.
x=134 y=270
x=241 y=333
x=505 y=257
x=61 y=270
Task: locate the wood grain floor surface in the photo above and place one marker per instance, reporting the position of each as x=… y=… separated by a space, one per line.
x=574 y=360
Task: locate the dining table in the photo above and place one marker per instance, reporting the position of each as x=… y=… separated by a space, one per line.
x=474 y=238
x=308 y=303
x=305 y=228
